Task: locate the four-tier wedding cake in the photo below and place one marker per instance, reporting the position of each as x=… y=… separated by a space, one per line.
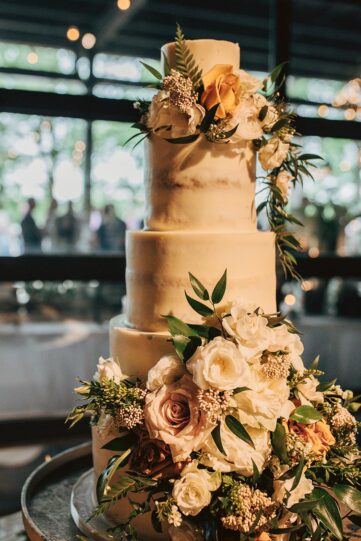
x=205 y=420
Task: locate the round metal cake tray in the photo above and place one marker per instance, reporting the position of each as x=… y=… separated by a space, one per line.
x=54 y=499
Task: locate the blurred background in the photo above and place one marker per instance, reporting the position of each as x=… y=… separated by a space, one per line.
x=69 y=189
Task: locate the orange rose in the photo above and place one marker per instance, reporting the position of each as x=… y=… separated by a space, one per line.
x=221 y=86
x=263 y=537
x=318 y=435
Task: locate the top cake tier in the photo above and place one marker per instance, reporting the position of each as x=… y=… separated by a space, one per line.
x=200 y=186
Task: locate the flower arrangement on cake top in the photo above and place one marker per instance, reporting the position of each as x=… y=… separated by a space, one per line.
x=231 y=436
x=228 y=106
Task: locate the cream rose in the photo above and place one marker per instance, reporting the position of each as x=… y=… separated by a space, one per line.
x=185 y=532
x=167 y=370
x=262 y=407
x=224 y=86
x=271 y=116
x=282 y=488
x=219 y=365
x=192 y=492
x=166 y=120
x=247 y=326
x=245 y=117
x=172 y=415
x=239 y=454
x=283 y=180
x=307 y=391
x=108 y=369
x=273 y=153
x=280 y=339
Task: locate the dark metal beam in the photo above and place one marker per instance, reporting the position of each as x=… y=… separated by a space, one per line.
x=279 y=37
x=111 y=267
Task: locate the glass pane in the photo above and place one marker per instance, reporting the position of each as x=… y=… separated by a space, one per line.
x=43 y=84
x=17 y=55
x=117 y=178
x=41 y=183
x=123 y=68
x=330 y=206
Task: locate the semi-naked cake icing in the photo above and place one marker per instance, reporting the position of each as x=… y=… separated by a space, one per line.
x=199 y=218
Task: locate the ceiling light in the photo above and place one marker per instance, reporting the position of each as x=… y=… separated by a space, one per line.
x=73 y=33
x=88 y=40
x=123 y=4
x=32 y=58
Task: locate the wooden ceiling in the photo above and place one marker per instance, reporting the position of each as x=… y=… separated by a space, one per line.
x=325 y=36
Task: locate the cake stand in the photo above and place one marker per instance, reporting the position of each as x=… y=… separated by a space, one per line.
x=57 y=499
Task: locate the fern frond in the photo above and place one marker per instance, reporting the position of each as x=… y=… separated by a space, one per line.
x=185 y=61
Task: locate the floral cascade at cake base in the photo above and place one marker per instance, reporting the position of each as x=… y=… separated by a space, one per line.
x=229 y=438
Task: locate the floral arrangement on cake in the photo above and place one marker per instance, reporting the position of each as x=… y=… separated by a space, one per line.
x=231 y=437
x=231 y=106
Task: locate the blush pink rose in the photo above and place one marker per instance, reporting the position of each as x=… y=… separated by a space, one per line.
x=172 y=414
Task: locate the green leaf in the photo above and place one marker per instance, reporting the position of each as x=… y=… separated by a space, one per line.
x=199 y=307
x=198 y=287
x=328 y=512
x=183 y=140
x=278 y=439
x=356 y=519
x=315 y=362
x=120 y=444
x=298 y=473
x=281 y=123
x=240 y=390
x=306 y=505
x=209 y=118
x=238 y=429
x=263 y=113
x=107 y=474
x=206 y=331
x=350 y=496
x=216 y=435
x=228 y=134
x=186 y=346
x=277 y=71
x=325 y=386
x=152 y=70
x=256 y=474
x=305 y=157
x=178 y=327
x=220 y=288
x=261 y=206
x=157 y=525
x=185 y=61
x=306 y=415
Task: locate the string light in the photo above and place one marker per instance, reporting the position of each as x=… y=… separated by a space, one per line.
x=350 y=114
x=314 y=252
x=290 y=299
x=88 y=40
x=73 y=33
x=323 y=110
x=32 y=57
x=307 y=285
x=123 y=4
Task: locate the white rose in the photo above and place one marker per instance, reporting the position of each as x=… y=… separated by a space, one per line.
x=262 y=407
x=162 y=115
x=247 y=327
x=249 y=84
x=283 y=180
x=185 y=532
x=219 y=365
x=245 y=117
x=271 y=116
x=167 y=370
x=238 y=454
x=307 y=391
x=280 y=339
x=108 y=369
x=192 y=491
x=283 y=488
x=273 y=153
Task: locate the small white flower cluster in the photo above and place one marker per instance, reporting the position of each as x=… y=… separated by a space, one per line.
x=342 y=418
x=180 y=91
x=215 y=403
x=129 y=416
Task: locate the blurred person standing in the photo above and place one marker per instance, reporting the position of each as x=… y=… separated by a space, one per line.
x=111 y=232
x=32 y=234
x=67 y=230
x=50 y=227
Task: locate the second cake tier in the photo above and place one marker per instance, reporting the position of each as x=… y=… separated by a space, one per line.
x=158 y=263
